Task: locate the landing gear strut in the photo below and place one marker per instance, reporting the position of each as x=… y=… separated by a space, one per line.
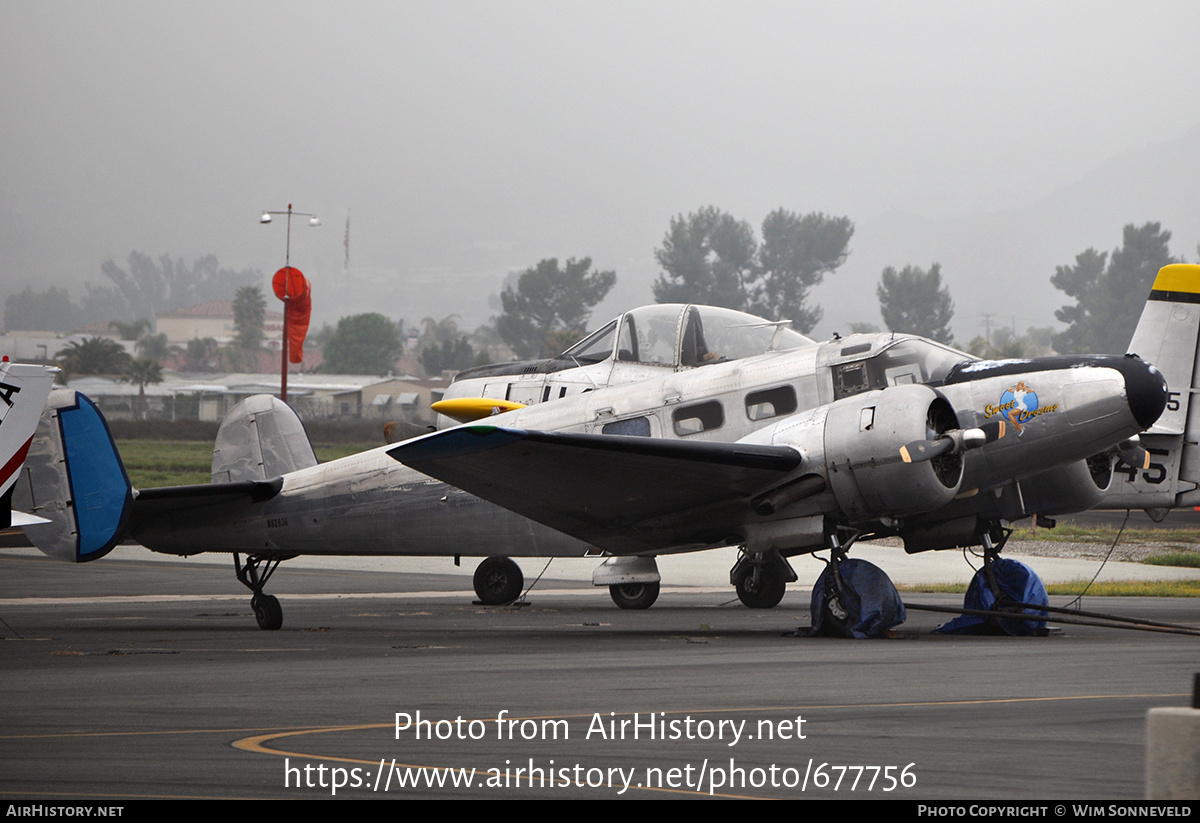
x=761 y=578
x=267 y=610
x=834 y=615
x=498 y=581
x=991 y=555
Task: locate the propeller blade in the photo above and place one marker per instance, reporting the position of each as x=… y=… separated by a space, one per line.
x=993 y=431
x=1131 y=452
x=919 y=450
x=1136 y=456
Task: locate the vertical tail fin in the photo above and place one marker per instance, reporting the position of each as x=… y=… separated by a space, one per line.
x=259 y=439
x=74 y=478
x=1167 y=336
x=23 y=393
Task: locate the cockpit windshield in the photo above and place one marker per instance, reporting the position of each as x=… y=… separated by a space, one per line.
x=595 y=347
x=676 y=335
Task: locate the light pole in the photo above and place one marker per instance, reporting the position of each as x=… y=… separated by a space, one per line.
x=313 y=220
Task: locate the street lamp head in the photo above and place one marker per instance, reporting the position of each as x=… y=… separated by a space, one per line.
x=266 y=218
x=314 y=221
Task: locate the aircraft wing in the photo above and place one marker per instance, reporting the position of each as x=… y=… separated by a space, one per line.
x=623 y=494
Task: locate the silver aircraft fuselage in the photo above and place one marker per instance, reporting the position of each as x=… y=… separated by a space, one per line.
x=1064 y=410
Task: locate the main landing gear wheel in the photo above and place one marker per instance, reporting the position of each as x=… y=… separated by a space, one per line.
x=760 y=588
x=634 y=595
x=1006 y=586
x=854 y=598
x=498 y=581
x=267 y=611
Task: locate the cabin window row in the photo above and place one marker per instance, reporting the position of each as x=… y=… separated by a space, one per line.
x=709 y=415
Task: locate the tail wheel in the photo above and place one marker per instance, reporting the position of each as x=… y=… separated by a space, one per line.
x=267 y=611
x=498 y=580
x=634 y=595
x=254 y=574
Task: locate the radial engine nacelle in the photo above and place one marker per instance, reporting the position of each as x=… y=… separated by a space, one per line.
x=855 y=444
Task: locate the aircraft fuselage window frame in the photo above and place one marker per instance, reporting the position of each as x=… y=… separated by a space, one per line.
x=630 y=427
x=698 y=418
x=769 y=403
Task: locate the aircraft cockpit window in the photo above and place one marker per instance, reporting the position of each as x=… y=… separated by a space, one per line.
x=688 y=336
x=908 y=361
x=627 y=347
x=850 y=379
x=917 y=361
x=732 y=335
x=684 y=336
x=763 y=405
x=633 y=427
x=701 y=417
x=692 y=350
x=655 y=331
x=595 y=347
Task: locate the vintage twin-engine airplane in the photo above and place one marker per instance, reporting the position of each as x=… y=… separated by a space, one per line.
x=672 y=429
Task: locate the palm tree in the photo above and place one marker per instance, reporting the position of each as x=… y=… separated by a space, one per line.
x=92 y=355
x=155 y=347
x=201 y=354
x=142 y=371
x=249 y=312
x=434 y=332
x=130 y=331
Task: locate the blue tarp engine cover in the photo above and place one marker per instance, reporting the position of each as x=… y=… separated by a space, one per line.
x=1018 y=582
x=870 y=599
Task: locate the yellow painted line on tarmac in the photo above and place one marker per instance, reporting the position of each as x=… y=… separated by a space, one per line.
x=54 y=735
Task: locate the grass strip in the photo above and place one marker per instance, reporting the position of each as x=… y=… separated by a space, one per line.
x=1112 y=588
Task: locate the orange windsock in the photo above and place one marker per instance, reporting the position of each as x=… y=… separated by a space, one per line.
x=293 y=289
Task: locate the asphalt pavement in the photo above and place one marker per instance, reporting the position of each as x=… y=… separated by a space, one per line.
x=134 y=678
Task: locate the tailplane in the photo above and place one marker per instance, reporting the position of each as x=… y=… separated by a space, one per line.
x=79 y=502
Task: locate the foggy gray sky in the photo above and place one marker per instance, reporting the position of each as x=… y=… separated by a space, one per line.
x=473 y=139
